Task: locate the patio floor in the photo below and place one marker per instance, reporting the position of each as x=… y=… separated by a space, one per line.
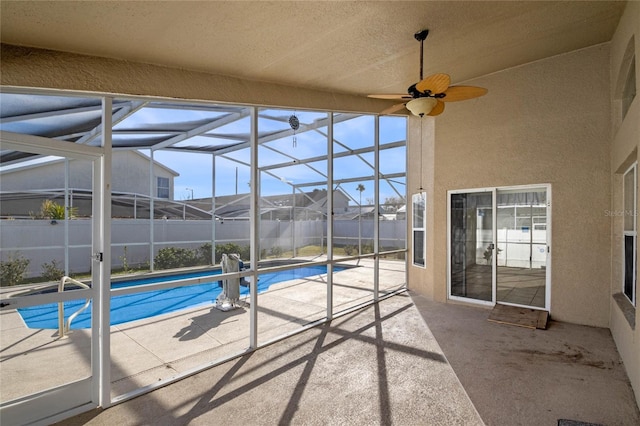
x=405 y=361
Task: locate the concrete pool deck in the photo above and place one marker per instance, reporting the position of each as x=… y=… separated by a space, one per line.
x=146 y=351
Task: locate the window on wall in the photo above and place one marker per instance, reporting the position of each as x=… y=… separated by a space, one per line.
x=163 y=187
x=630 y=233
x=629 y=90
x=419 y=228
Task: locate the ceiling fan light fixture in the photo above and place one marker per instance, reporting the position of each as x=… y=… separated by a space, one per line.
x=421 y=106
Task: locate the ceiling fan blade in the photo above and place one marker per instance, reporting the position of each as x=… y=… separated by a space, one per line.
x=436 y=83
x=392 y=109
x=462 y=93
x=438 y=109
x=405 y=96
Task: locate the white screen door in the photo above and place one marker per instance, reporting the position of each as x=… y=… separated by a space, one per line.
x=50 y=371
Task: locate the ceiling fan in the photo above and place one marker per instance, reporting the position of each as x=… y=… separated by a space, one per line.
x=428 y=96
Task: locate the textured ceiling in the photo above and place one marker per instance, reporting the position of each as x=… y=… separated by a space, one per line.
x=349 y=47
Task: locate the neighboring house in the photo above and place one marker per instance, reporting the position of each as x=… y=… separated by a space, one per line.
x=401 y=213
x=353 y=212
x=24 y=188
x=308 y=205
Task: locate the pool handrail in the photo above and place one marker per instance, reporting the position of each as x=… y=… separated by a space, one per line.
x=62 y=327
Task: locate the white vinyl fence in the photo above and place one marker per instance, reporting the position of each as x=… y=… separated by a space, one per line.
x=42 y=242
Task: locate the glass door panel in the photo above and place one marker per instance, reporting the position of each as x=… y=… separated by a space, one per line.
x=471 y=245
x=521 y=246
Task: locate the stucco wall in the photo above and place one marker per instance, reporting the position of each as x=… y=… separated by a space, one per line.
x=420 y=152
x=626 y=139
x=130 y=173
x=49 y=176
x=27 y=67
x=538 y=124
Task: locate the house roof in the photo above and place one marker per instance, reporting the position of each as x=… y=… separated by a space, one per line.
x=53 y=160
x=157 y=163
x=352 y=212
x=238 y=205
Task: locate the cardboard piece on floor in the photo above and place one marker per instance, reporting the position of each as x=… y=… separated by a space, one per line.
x=521 y=317
x=565 y=422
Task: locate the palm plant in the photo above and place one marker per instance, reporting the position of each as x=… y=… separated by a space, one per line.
x=54 y=211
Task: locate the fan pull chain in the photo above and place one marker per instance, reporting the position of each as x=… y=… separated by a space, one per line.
x=421 y=124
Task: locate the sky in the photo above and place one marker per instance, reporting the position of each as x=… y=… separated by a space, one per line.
x=232 y=177
x=163 y=120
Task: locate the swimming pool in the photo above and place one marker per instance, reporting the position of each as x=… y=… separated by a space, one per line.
x=131 y=307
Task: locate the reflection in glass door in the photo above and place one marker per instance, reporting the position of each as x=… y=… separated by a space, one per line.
x=521 y=246
x=471 y=245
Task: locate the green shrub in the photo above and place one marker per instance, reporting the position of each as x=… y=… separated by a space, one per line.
x=243 y=251
x=349 y=250
x=275 y=251
x=12 y=271
x=52 y=271
x=125 y=261
x=204 y=253
x=367 y=248
x=176 y=257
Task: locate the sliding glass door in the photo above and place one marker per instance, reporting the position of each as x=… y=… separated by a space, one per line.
x=499 y=245
x=471 y=245
x=522 y=246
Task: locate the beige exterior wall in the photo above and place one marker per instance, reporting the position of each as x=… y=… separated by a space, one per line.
x=552 y=122
x=537 y=125
x=130 y=174
x=624 y=151
x=421 y=158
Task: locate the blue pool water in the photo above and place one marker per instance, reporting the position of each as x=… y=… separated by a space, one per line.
x=131 y=307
